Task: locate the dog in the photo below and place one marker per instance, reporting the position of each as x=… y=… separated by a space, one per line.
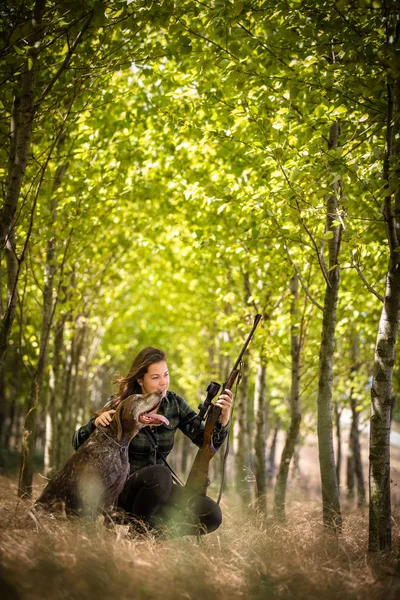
x=92 y=479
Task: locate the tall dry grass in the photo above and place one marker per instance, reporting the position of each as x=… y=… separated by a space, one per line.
x=44 y=558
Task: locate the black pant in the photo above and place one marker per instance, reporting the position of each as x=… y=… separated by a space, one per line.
x=149 y=495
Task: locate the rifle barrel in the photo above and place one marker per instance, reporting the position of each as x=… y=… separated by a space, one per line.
x=257 y=319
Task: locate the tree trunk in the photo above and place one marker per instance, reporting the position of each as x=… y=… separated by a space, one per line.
x=381 y=403
x=296 y=460
x=358 y=466
x=354 y=462
x=329 y=484
x=65 y=407
x=53 y=407
x=10 y=399
x=10 y=421
x=71 y=399
x=380 y=526
x=15 y=432
x=330 y=491
x=272 y=453
x=20 y=140
x=25 y=481
x=338 y=414
x=79 y=352
x=260 y=415
x=350 y=467
x=240 y=433
x=29 y=436
x=295 y=413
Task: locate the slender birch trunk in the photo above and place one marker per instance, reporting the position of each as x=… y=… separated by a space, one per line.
x=296 y=460
x=53 y=416
x=272 y=452
x=12 y=406
x=240 y=435
x=260 y=416
x=295 y=412
x=380 y=525
x=26 y=474
x=338 y=414
x=71 y=399
x=29 y=436
x=354 y=463
x=329 y=484
x=356 y=451
x=50 y=271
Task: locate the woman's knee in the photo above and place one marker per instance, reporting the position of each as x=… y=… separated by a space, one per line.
x=158 y=479
x=207 y=512
x=153 y=483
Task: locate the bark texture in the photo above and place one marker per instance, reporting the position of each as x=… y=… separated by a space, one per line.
x=355 y=473
x=329 y=484
x=380 y=525
x=272 y=452
x=338 y=414
x=53 y=416
x=260 y=414
x=240 y=437
x=29 y=437
x=295 y=412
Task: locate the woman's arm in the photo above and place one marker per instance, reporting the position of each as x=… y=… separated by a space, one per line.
x=83 y=433
x=186 y=416
x=104 y=418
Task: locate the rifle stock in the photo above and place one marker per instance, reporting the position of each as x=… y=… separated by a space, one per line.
x=198 y=481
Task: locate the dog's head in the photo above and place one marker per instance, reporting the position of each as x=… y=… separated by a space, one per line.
x=138 y=411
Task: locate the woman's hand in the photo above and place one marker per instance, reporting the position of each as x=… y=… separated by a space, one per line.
x=225 y=401
x=104 y=419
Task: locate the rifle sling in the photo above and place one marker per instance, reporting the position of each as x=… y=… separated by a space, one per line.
x=153 y=441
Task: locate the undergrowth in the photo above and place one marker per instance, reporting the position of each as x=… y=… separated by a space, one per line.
x=43 y=557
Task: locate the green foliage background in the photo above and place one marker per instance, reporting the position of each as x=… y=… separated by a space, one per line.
x=194 y=141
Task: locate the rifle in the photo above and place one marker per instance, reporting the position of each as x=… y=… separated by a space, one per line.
x=198 y=481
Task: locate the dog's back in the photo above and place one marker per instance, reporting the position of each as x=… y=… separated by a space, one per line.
x=91 y=479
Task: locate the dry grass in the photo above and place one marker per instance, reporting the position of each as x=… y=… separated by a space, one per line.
x=45 y=558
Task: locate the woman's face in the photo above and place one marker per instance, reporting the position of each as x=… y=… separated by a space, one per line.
x=156 y=378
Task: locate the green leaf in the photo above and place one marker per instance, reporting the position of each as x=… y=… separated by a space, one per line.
x=321 y=110
x=341 y=110
x=237 y=9
x=18 y=50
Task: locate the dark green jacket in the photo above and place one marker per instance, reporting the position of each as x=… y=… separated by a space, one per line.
x=141 y=451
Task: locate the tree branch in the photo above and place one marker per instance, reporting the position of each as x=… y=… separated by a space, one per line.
x=303 y=285
x=319 y=255
x=367 y=285
x=65 y=64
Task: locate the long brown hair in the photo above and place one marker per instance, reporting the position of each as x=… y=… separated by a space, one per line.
x=129 y=385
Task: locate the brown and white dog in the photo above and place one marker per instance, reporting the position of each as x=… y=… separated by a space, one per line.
x=92 y=479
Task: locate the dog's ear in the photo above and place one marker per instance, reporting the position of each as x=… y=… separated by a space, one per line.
x=118 y=419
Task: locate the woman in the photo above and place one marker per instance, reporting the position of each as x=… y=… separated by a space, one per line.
x=149 y=494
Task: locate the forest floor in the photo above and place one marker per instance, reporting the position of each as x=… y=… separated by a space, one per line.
x=44 y=558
